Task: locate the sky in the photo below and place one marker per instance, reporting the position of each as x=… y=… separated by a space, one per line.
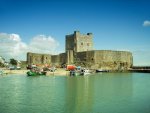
x=40 y=26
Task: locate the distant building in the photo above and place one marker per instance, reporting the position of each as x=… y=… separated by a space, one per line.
x=79 y=51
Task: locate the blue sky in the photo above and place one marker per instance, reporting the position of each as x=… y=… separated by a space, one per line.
x=115 y=24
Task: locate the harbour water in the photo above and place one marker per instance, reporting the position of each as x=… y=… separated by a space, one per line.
x=99 y=93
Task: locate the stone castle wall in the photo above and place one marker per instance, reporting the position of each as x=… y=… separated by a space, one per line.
x=63 y=58
x=35 y=58
x=84 y=59
x=42 y=59
x=55 y=59
x=113 y=60
x=105 y=59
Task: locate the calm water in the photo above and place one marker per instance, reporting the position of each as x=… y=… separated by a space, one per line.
x=101 y=93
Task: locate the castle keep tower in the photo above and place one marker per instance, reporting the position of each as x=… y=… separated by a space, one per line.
x=79 y=42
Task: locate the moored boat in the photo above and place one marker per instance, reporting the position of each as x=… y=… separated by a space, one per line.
x=30 y=73
x=1 y=72
x=101 y=70
x=74 y=73
x=85 y=72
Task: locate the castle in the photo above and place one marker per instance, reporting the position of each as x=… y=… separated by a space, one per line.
x=79 y=51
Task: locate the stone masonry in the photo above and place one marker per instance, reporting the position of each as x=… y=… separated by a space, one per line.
x=79 y=42
x=105 y=59
x=79 y=51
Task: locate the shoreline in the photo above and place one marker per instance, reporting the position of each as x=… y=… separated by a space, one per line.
x=58 y=72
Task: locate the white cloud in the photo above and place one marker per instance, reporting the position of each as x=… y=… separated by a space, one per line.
x=13 y=47
x=43 y=44
x=146 y=23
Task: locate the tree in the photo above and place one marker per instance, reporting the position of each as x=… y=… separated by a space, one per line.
x=2 y=61
x=1 y=64
x=13 y=61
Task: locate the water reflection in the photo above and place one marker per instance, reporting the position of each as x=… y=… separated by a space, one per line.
x=79 y=94
x=98 y=93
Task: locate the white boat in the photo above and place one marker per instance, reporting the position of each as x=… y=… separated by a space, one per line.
x=85 y=72
x=101 y=70
x=1 y=72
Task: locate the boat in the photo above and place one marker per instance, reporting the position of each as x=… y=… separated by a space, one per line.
x=78 y=71
x=31 y=73
x=70 y=67
x=85 y=72
x=101 y=70
x=74 y=73
x=1 y=72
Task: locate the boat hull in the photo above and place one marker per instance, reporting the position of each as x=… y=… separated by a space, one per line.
x=29 y=73
x=99 y=70
x=74 y=73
